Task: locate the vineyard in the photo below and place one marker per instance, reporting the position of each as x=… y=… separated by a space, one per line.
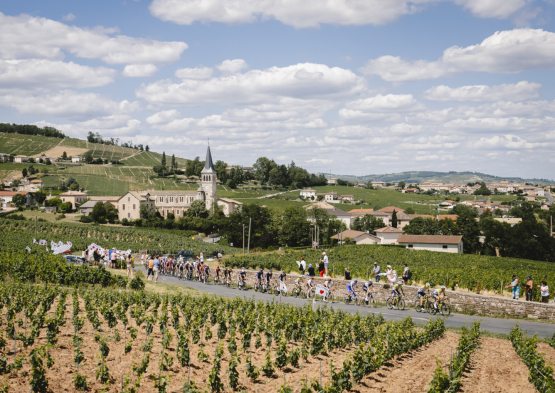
x=19 y=234
x=454 y=270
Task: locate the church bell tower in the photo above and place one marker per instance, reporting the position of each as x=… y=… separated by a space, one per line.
x=208 y=180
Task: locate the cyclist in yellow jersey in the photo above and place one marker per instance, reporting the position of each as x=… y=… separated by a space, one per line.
x=397 y=291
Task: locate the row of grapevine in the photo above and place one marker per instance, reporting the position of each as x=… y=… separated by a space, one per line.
x=20 y=234
x=160 y=332
x=462 y=270
x=448 y=379
x=541 y=374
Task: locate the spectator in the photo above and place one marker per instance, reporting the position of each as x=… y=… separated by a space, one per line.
x=326 y=262
x=545 y=292
x=406 y=273
x=310 y=270
x=150 y=271
x=321 y=268
x=528 y=288
x=347 y=274
x=302 y=266
x=156 y=268
x=84 y=253
x=113 y=257
x=130 y=265
x=515 y=285
x=376 y=271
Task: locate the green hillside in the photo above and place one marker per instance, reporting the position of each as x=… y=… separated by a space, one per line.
x=26 y=145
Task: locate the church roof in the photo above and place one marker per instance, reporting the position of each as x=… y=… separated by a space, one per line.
x=208 y=164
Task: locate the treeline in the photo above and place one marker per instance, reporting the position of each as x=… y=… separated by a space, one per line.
x=528 y=239
x=97 y=138
x=268 y=227
x=29 y=129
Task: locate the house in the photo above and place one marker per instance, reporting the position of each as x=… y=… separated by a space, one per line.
x=449 y=216
x=385 y=217
x=410 y=191
x=75 y=197
x=357 y=237
x=229 y=206
x=308 y=193
x=360 y=212
x=403 y=219
x=331 y=197
x=30 y=185
x=540 y=192
x=530 y=199
x=423 y=216
x=87 y=207
x=441 y=243
x=512 y=221
x=347 y=198
x=545 y=206
x=76 y=159
x=4 y=157
x=7 y=196
x=20 y=159
x=360 y=185
x=344 y=217
x=332 y=181
x=129 y=205
x=378 y=184
x=388 y=235
x=106 y=199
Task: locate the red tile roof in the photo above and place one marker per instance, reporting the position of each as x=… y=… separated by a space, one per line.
x=429 y=239
x=389 y=209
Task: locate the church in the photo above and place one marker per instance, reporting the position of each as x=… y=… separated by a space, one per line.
x=178 y=202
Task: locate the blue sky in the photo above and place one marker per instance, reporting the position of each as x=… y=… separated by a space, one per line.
x=356 y=87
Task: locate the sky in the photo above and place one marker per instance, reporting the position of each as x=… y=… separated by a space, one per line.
x=352 y=87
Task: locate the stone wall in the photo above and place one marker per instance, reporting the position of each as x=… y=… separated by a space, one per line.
x=460 y=301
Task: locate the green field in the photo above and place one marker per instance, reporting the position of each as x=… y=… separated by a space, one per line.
x=149 y=158
x=26 y=145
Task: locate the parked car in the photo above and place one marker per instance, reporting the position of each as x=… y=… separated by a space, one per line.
x=74 y=259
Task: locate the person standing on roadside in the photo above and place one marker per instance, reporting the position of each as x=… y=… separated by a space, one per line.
x=150 y=271
x=528 y=288
x=376 y=271
x=310 y=270
x=156 y=268
x=130 y=265
x=515 y=285
x=347 y=274
x=326 y=262
x=545 y=292
x=406 y=273
x=321 y=268
x=113 y=257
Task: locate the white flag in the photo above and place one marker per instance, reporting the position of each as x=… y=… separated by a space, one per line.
x=28 y=248
x=321 y=290
x=282 y=286
x=70 y=244
x=60 y=243
x=53 y=245
x=34 y=241
x=43 y=242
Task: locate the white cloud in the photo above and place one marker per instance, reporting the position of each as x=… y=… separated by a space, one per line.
x=312 y=13
x=505 y=123
x=509 y=51
x=139 y=70
x=34 y=74
x=381 y=107
x=230 y=67
x=306 y=81
x=511 y=92
x=163 y=117
x=68 y=17
x=319 y=161
x=194 y=73
x=68 y=104
x=509 y=141
x=107 y=126
x=25 y=36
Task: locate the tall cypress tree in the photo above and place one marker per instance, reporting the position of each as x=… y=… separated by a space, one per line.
x=174 y=163
x=163 y=159
x=394 y=219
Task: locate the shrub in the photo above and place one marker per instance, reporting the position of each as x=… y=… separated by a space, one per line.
x=137 y=284
x=85 y=219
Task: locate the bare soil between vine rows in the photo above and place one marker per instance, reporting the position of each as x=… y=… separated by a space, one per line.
x=496 y=368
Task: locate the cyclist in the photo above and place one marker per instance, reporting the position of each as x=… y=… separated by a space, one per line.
x=310 y=285
x=242 y=275
x=423 y=291
x=397 y=291
x=351 y=288
x=217 y=278
x=259 y=277
x=299 y=283
x=437 y=294
x=282 y=276
x=207 y=272
x=267 y=278
x=368 y=289
x=227 y=274
x=329 y=285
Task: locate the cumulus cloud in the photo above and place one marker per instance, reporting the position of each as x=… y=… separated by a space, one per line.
x=40 y=73
x=68 y=104
x=510 y=141
x=107 y=126
x=269 y=86
x=139 y=70
x=194 y=73
x=509 y=51
x=389 y=106
x=508 y=92
x=25 y=36
x=230 y=67
x=163 y=117
x=312 y=13
x=68 y=17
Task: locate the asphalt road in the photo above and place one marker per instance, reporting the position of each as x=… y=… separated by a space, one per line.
x=494 y=325
x=549 y=197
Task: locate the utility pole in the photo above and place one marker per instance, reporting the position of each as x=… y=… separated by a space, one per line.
x=249 y=243
x=243 y=238
x=35 y=225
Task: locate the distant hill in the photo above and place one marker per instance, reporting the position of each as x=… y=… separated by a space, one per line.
x=440 y=177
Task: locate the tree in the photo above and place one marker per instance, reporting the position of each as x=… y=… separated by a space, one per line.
x=19 y=200
x=409 y=210
x=39 y=197
x=367 y=223
x=261 y=169
x=294 y=228
x=48 y=162
x=147 y=148
x=111 y=213
x=53 y=202
x=98 y=213
x=422 y=226
x=65 y=207
x=197 y=209
x=147 y=212
x=369 y=186
x=64 y=156
x=74 y=187
x=401 y=185
x=88 y=157
x=394 y=219
x=174 y=163
x=24 y=172
x=468 y=227
x=483 y=190
x=163 y=162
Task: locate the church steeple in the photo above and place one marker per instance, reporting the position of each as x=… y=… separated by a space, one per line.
x=208 y=164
